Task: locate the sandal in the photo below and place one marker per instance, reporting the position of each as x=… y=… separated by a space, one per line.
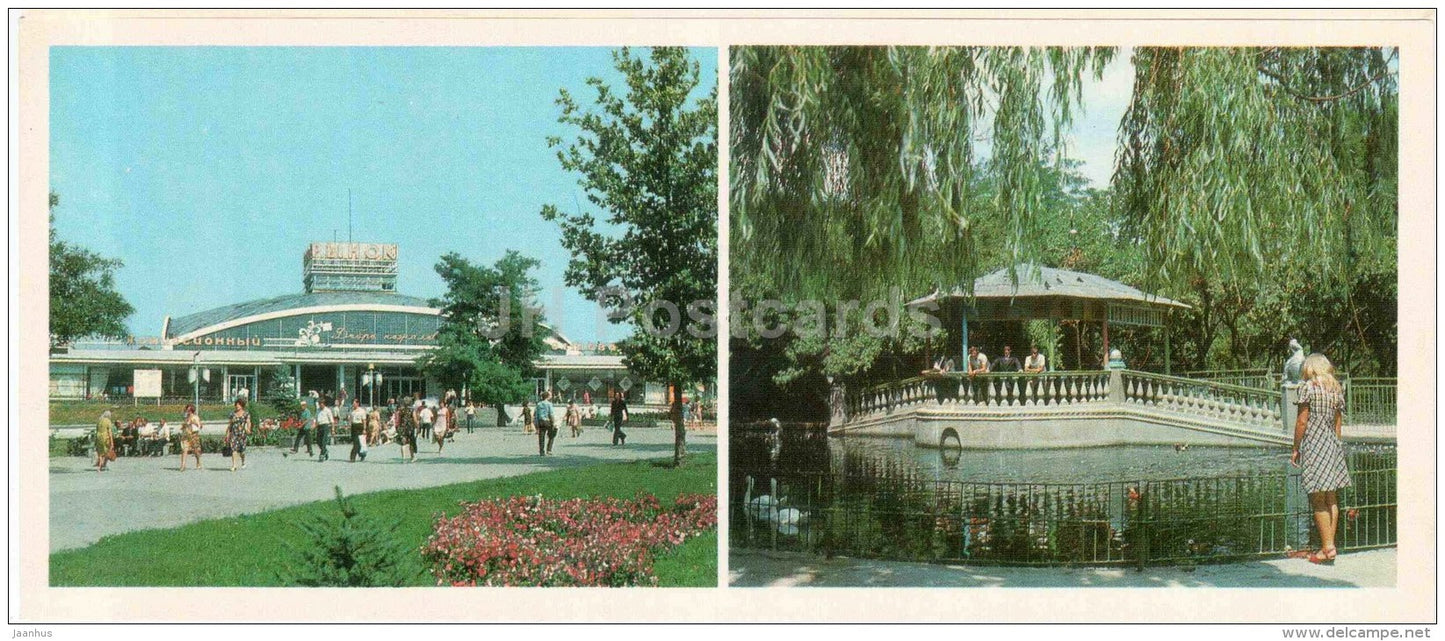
x=1298 y=554
x=1321 y=559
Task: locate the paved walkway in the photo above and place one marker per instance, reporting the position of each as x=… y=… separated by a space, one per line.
x=145 y=493
x=747 y=568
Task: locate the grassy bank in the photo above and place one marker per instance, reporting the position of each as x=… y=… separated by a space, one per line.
x=87 y=412
x=249 y=550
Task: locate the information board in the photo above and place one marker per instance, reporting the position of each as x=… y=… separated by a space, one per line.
x=147 y=383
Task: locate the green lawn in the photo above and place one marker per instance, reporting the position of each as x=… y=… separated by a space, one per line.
x=248 y=550
x=88 y=412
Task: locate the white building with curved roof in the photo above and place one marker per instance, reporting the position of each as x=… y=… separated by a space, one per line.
x=348 y=322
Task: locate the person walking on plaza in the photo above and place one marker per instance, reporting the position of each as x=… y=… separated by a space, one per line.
x=373 y=430
x=546 y=426
x=619 y=414
x=424 y=417
x=574 y=418
x=237 y=428
x=104 y=440
x=440 y=428
x=443 y=423
x=527 y=420
x=406 y=430
x=325 y=422
x=357 y=419
x=1318 y=450
x=308 y=425
x=471 y=414
x=190 y=436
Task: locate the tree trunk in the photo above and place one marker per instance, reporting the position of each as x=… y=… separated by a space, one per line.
x=679 y=429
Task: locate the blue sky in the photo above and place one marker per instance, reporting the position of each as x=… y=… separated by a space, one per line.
x=208 y=170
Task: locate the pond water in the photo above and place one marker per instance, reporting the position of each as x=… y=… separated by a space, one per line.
x=1066 y=465
x=888 y=498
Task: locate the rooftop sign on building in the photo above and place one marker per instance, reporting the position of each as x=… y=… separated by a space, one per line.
x=349 y=267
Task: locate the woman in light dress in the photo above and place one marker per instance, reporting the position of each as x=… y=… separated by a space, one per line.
x=443 y=425
x=1319 y=451
x=104 y=440
x=190 y=437
x=574 y=418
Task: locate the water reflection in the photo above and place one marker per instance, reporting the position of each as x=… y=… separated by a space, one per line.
x=796 y=488
x=1065 y=465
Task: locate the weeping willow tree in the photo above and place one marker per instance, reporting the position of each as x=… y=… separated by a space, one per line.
x=851 y=167
x=1230 y=156
x=856 y=174
x=1266 y=179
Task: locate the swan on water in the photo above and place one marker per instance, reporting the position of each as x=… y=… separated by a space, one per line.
x=760 y=507
x=768 y=509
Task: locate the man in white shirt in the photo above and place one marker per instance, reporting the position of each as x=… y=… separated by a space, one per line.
x=325 y=421
x=424 y=419
x=358 y=431
x=1034 y=363
x=977 y=364
x=148 y=440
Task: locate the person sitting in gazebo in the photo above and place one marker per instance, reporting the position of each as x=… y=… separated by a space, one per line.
x=977 y=364
x=1035 y=362
x=944 y=387
x=1007 y=362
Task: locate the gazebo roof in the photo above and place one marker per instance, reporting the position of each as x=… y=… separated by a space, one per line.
x=1036 y=282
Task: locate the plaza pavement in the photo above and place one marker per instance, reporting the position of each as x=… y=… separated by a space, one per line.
x=750 y=568
x=146 y=493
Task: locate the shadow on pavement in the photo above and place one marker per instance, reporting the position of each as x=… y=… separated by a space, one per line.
x=768 y=569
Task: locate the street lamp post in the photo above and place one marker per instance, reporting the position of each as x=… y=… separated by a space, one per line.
x=196 y=375
x=371 y=379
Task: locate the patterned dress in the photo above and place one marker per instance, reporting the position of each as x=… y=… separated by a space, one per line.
x=191 y=434
x=1321 y=454
x=236 y=430
x=406 y=427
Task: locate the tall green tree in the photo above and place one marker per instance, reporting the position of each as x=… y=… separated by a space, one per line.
x=1261 y=178
x=83 y=298
x=853 y=168
x=492 y=331
x=647 y=157
x=1230 y=158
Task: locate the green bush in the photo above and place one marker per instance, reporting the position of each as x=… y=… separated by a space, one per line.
x=353 y=551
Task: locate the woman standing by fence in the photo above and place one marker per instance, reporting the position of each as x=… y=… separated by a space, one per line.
x=1317 y=448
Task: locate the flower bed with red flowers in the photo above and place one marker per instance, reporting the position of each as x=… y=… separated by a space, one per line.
x=533 y=541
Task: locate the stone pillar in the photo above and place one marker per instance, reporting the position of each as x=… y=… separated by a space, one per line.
x=1116 y=386
x=1298 y=523
x=837 y=405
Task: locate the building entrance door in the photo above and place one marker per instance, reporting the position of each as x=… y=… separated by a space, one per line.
x=237 y=382
x=397 y=387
